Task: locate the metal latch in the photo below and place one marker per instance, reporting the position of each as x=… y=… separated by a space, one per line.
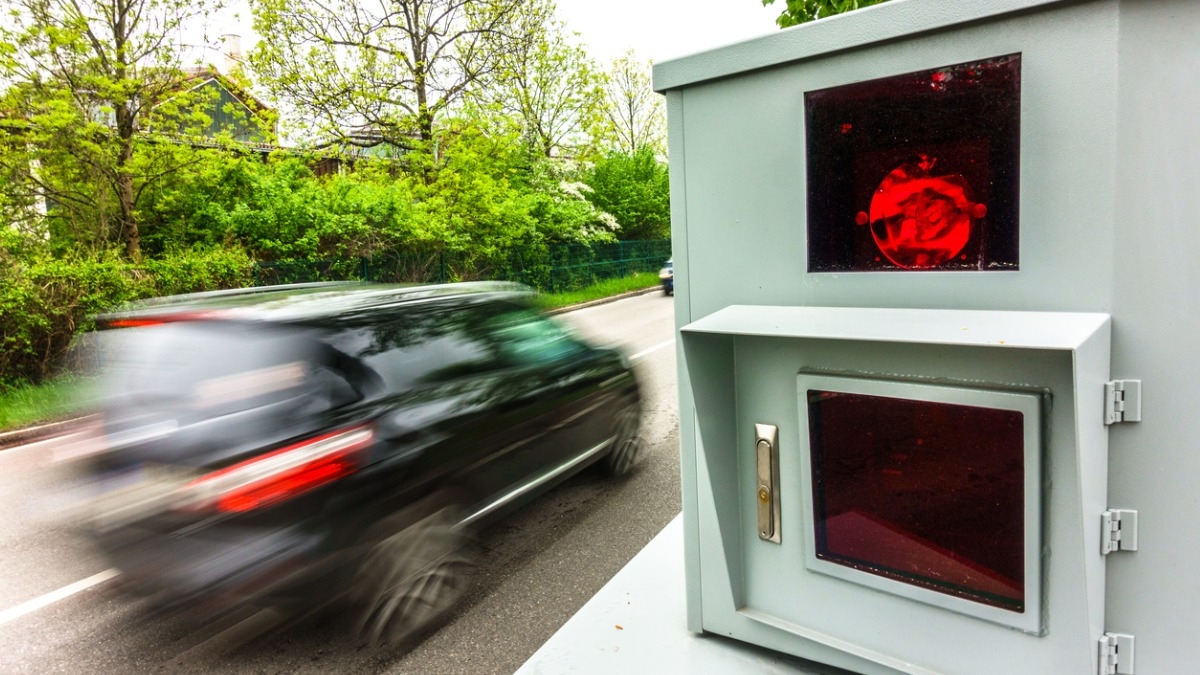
x=1116 y=654
x=1119 y=530
x=1122 y=401
x=766 y=452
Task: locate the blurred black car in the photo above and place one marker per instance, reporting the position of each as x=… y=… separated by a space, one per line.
x=292 y=445
x=667 y=276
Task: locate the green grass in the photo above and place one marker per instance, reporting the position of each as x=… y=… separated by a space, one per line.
x=27 y=405
x=604 y=289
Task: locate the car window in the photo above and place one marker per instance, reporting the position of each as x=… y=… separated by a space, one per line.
x=441 y=342
x=526 y=338
x=417 y=344
x=209 y=368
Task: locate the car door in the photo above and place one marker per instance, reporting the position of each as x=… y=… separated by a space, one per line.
x=454 y=408
x=567 y=389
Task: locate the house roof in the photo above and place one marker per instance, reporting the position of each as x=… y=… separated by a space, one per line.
x=197 y=77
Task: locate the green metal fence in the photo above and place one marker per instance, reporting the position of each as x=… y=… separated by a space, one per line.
x=577 y=266
x=561 y=267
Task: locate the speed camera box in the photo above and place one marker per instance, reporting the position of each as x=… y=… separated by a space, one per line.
x=936 y=297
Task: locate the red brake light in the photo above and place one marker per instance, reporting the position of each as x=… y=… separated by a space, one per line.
x=281 y=475
x=133 y=323
x=138 y=322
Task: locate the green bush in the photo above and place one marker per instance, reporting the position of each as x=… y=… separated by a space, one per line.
x=636 y=190
x=45 y=300
x=481 y=207
x=198 y=270
x=481 y=203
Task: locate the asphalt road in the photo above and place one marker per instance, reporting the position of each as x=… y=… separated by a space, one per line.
x=538 y=566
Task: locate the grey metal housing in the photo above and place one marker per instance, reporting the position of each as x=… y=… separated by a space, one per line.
x=1108 y=225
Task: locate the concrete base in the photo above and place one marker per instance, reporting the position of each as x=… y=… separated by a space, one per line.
x=637 y=624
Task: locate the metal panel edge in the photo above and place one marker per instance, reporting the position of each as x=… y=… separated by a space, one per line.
x=1092 y=365
x=688 y=433
x=1011 y=329
x=879 y=23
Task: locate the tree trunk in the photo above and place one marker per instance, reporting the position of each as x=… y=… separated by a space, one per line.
x=130 y=235
x=129 y=226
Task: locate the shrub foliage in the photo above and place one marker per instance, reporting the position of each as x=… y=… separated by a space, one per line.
x=45 y=300
x=483 y=206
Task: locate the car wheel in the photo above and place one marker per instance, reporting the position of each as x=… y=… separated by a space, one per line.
x=627 y=443
x=409 y=580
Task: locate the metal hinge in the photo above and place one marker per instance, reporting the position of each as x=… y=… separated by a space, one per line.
x=1122 y=401
x=1119 y=531
x=1116 y=654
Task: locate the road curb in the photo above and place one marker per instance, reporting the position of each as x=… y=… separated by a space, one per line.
x=604 y=301
x=17 y=437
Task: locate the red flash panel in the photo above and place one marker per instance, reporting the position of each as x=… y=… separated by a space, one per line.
x=917 y=171
x=921 y=220
x=922 y=492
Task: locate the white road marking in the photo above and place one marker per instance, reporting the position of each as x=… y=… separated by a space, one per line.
x=655 y=348
x=14 y=613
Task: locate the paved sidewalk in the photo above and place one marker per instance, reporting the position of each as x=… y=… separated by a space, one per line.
x=637 y=624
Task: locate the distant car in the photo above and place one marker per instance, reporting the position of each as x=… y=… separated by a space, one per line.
x=294 y=445
x=667 y=276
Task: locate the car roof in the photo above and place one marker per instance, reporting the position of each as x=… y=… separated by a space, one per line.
x=298 y=303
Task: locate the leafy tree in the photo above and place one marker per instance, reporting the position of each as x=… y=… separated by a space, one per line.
x=635 y=189
x=635 y=116
x=88 y=79
x=20 y=208
x=486 y=201
x=549 y=84
x=481 y=198
x=801 y=11
x=391 y=67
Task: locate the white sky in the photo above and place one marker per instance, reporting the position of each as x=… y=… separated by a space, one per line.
x=662 y=29
x=655 y=29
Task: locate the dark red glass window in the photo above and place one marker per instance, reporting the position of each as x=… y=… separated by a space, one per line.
x=925 y=493
x=917 y=171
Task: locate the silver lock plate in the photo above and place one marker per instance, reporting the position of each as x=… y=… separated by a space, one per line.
x=766 y=491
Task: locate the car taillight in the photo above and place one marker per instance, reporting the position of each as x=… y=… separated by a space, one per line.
x=280 y=475
x=133 y=323
x=158 y=320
